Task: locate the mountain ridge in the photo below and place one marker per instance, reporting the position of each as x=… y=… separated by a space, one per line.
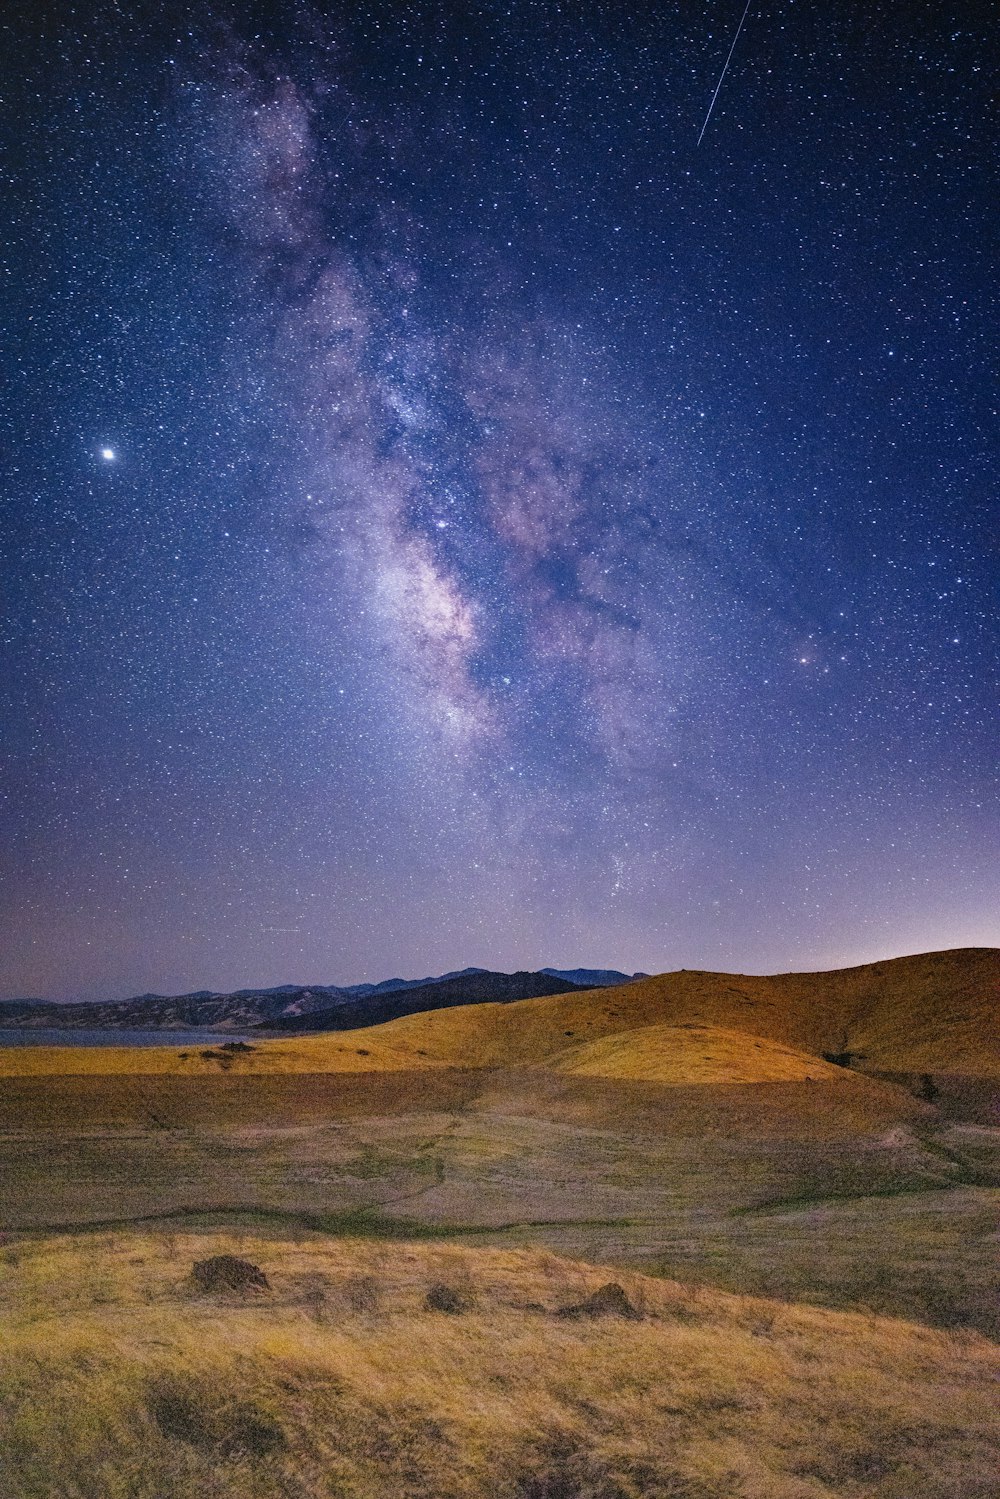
x=472 y=988
x=911 y=1018
x=253 y=1008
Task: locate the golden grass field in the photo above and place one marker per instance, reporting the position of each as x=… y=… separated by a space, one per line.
x=120 y=1381
x=935 y=1012
x=836 y=1229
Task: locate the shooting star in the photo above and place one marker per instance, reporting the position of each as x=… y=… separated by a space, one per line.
x=725 y=69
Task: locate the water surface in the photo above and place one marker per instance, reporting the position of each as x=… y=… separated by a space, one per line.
x=51 y=1035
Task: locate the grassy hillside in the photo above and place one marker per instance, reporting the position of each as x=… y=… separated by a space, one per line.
x=938 y=1012
x=118 y=1380
x=657 y=1125
x=686 y=1054
x=940 y=1008
x=366 y=1051
x=687 y=1126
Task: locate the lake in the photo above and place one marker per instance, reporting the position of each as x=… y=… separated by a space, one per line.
x=58 y=1036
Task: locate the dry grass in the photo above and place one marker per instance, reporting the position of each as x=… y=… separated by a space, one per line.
x=117 y=1381
x=686 y=1124
x=693 y=1054
x=362 y=1052
x=935 y=1012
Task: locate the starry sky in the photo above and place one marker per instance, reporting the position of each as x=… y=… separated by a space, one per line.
x=451 y=517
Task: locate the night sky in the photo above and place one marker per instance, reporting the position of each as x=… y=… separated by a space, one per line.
x=450 y=517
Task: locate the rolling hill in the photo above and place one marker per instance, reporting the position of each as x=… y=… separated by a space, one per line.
x=936 y=1013
x=816 y=1136
x=933 y=1013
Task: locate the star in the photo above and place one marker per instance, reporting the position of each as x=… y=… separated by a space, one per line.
x=527 y=439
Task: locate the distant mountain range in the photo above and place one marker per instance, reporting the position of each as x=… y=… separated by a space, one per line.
x=315 y=1007
x=475 y=986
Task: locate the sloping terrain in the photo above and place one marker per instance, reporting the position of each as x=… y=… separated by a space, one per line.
x=438 y=1372
x=686 y=1054
x=689 y=1124
x=934 y=1012
x=938 y=1012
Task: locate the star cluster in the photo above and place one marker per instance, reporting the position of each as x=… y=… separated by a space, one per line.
x=452 y=517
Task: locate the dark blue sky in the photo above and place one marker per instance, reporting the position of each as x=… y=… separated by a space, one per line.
x=450 y=517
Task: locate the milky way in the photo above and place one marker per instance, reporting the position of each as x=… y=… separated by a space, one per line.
x=450 y=518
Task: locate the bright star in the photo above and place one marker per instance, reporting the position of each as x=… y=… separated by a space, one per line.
x=108 y=454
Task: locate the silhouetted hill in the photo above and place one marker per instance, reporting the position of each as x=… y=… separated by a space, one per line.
x=477 y=986
x=390 y=986
x=594 y=978
x=287 y=1007
x=223 y=1012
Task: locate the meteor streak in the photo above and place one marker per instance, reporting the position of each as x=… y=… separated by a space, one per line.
x=724 y=70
